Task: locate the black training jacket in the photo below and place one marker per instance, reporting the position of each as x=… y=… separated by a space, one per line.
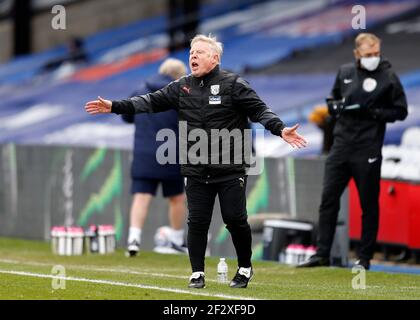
x=218 y=100
x=381 y=98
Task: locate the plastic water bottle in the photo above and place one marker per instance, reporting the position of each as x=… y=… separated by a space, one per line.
x=301 y=253
x=282 y=256
x=289 y=254
x=222 y=271
x=58 y=237
x=295 y=252
x=310 y=251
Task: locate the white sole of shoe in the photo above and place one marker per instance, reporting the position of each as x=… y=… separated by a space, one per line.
x=167 y=250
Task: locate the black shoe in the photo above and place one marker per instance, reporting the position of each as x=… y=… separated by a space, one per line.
x=314 y=261
x=197 y=280
x=365 y=263
x=180 y=249
x=171 y=248
x=241 y=278
x=133 y=248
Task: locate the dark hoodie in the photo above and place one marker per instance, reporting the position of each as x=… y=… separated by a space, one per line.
x=381 y=97
x=147 y=126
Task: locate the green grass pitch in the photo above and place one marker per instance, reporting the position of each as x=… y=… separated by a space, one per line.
x=27 y=272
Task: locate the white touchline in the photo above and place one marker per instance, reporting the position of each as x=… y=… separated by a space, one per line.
x=125 y=271
x=163 y=275
x=99 y=269
x=124 y=284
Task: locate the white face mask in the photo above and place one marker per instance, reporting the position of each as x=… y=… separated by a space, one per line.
x=370 y=63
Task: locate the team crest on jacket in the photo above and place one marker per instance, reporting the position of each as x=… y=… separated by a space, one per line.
x=369 y=84
x=215 y=89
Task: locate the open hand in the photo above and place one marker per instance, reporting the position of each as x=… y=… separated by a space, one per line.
x=98 y=106
x=293 y=138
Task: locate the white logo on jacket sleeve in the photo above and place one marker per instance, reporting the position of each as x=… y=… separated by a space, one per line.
x=347 y=81
x=215 y=89
x=369 y=84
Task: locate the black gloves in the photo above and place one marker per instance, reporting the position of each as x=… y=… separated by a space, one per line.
x=335 y=107
x=375 y=114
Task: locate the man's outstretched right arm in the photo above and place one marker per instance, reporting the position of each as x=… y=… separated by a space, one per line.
x=158 y=101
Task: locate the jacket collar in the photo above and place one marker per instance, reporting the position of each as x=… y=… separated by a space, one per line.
x=207 y=77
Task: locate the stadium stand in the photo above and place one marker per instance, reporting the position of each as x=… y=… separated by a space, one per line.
x=288 y=50
x=46 y=109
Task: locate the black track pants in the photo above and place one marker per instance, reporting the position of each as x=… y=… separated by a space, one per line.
x=365 y=167
x=201 y=197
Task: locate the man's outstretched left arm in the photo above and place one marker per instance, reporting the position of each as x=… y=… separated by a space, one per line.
x=257 y=111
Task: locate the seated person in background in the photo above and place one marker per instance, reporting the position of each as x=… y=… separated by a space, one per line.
x=76 y=54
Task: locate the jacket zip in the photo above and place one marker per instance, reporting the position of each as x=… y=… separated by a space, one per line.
x=203 y=101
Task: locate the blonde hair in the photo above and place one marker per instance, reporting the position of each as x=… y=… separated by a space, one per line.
x=366 y=37
x=173 y=67
x=215 y=45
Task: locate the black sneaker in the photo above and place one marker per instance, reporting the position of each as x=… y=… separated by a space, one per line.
x=133 y=248
x=365 y=263
x=171 y=248
x=314 y=261
x=181 y=249
x=241 y=278
x=197 y=280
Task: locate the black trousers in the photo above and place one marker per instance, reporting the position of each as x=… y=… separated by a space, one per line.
x=364 y=165
x=201 y=197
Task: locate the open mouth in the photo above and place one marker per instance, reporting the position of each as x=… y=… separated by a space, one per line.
x=194 y=65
